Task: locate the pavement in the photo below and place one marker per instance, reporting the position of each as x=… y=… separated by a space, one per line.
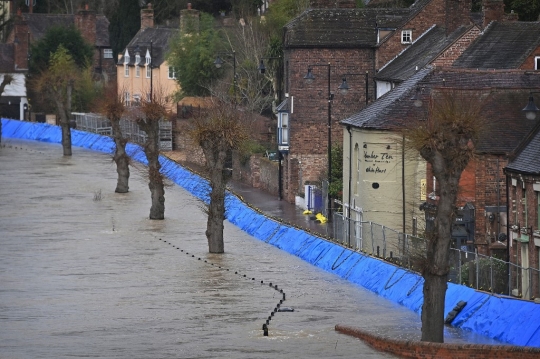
x=268 y=204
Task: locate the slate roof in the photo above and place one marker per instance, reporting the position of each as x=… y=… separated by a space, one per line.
x=158 y=36
x=7 y=58
x=340 y=28
x=420 y=53
x=508 y=94
x=38 y=25
x=503 y=45
x=527 y=158
x=390 y=110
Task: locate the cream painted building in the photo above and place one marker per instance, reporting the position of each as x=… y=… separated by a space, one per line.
x=142 y=68
x=383 y=181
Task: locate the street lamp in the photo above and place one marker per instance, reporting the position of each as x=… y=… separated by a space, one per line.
x=344 y=87
x=309 y=79
x=282 y=119
x=218 y=62
x=262 y=70
x=138 y=54
x=531 y=110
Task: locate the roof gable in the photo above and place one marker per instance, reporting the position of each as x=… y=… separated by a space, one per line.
x=340 y=28
x=503 y=45
x=422 y=52
x=38 y=24
x=157 y=36
x=527 y=158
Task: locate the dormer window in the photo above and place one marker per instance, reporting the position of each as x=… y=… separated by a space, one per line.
x=406 y=36
x=147 y=57
x=137 y=59
x=126 y=57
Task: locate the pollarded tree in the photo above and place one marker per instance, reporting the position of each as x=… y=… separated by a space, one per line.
x=153 y=108
x=447 y=143
x=114 y=107
x=218 y=131
x=57 y=84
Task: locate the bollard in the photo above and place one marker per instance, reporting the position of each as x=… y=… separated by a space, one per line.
x=390 y=254
x=377 y=251
x=265 y=330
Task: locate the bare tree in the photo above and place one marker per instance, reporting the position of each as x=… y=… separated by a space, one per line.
x=447 y=143
x=218 y=131
x=57 y=83
x=114 y=107
x=153 y=109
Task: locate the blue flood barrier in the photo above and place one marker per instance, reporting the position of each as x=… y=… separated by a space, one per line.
x=502 y=318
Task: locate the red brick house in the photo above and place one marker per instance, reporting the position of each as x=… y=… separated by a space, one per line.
x=523 y=188
x=30 y=27
x=336 y=40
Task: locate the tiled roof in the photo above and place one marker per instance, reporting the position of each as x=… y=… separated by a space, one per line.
x=391 y=109
x=38 y=25
x=341 y=28
x=508 y=94
x=7 y=59
x=158 y=36
x=424 y=50
x=503 y=45
x=527 y=159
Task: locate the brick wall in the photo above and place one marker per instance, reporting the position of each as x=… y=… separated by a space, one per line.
x=528 y=64
x=424 y=350
x=450 y=54
x=309 y=120
x=21 y=31
x=258 y=171
x=433 y=13
x=492 y=10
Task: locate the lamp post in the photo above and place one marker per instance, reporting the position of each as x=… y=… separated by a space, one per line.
x=218 y=62
x=138 y=53
x=344 y=87
x=25 y=109
x=531 y=110
x=309 y=79
x=262 y=70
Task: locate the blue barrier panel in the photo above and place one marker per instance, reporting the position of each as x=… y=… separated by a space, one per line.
x=502 y=318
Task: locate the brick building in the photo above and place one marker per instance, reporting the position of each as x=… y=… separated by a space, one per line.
x=523 y=188
x=30 y=27
x=336 y=40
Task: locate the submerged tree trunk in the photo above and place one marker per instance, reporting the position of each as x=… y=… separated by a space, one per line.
x=155 y=178
x=436 y=269
x=120 y=158
x=215 y=160
x=64 y=112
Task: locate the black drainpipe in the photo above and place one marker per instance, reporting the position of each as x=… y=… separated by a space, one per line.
x=350 y=180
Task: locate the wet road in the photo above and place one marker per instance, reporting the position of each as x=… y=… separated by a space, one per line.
x=84 y=273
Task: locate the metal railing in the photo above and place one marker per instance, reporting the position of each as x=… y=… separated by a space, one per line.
x=467 y=268
x=95 y=123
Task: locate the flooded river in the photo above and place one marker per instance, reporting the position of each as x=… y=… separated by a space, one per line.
x=85 y=273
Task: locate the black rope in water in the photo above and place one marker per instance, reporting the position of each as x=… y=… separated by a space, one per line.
x=277 y=308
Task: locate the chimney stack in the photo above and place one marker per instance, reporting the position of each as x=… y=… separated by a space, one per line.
x=492 y=10
x=189 y=20
x=147 y=17
x=85 y=22
x=21 y=41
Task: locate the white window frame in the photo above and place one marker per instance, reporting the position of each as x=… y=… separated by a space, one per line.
x=406 y=36
x=148 y=71
x=173 y=75
x=126 y=63
x=136 y=99
x=537 y=62
x=126 y=70
x=137 y=59
x=137 y=71
x=107 y=53
x=127 y=99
